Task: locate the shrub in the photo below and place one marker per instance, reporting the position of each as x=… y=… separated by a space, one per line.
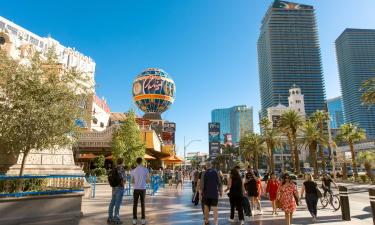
x=364 y=178
x=100 y=171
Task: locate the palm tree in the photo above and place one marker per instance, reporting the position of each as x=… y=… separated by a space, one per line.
x=321 y=117
x=271 y=137
x=368 y=158
x=351 y=133
x=310 y=138
x=368 y=97
x=252 y=147
x=290 y=123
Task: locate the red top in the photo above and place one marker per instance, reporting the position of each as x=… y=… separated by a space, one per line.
x=272 y=187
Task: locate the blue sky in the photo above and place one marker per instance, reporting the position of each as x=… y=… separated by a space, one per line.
x=207 y=46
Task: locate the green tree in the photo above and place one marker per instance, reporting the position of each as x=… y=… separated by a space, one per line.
x=126 y=141
x=39 y=105
x=321 y=117
x=350 y=134
x=99 y=163
x=368 y=159
x=252 y=147
x=368 y=88
x=290 y=123
x=271 y=137
x=311 y=138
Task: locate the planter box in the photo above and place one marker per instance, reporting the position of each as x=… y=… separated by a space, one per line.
x=40 y=208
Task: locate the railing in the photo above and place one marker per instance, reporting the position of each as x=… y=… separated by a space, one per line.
x=19 y=186
x=92 y=181
x=151 y=188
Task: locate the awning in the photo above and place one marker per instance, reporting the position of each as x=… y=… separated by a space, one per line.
x=86 y=156
x=172 y=159
x=146 y=157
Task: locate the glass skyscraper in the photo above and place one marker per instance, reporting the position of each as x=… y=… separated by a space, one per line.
x=355 y=51
x=235 y=121
x=288 y=54
x=336 y=112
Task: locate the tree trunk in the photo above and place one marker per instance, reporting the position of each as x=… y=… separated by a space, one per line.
x=369 y=172
x=272 y=160
x=344 y=172
x=314 y=160
x=354 y=163
x=297 y=168
x=25 y=154
x=321 y=149
x=291 y=151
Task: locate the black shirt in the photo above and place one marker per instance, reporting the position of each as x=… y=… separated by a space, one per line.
x=236 y=188
x=327 y=182
x=310 y=187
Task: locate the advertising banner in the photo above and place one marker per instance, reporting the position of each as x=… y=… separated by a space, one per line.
x=214 y=139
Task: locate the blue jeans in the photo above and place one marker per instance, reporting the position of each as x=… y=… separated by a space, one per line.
x=117 y=194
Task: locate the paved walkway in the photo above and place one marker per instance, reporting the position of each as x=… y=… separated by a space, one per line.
x=173 y=207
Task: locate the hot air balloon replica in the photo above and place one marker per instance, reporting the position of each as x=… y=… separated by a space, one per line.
x=153 y=92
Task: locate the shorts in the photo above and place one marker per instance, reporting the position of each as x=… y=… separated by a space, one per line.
x=210 y=202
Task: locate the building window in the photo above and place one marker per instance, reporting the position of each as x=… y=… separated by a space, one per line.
x=2 y=40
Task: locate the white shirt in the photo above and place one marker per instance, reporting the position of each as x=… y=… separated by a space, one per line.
x=139 y=175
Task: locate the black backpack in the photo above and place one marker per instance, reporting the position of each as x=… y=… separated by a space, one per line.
x=114 y=178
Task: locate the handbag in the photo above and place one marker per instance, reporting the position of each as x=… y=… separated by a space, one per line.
x=278 y=203
x=296 y=199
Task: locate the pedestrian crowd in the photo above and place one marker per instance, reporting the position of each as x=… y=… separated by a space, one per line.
x=244 y=190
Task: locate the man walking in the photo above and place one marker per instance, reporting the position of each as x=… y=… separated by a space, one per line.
x=210 y=189
x=117 y=179
x=140 y=176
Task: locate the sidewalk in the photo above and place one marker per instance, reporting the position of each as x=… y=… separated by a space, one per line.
x=173 y=207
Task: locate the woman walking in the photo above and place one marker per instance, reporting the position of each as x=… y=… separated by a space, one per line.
x=272 y=186
x=288 y=195
x=260 y=191
x=236 y=194
x=252 y=188
x=310 y=187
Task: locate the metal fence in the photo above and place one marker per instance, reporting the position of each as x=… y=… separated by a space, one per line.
x=151 y=188
x=18 y=186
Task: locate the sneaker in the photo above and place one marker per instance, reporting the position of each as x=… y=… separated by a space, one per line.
x=314 y=219
x=231 y=220
x=242 y=222
x=260 y=212
x=276 y=213
x=109 y=221
x=143 y=221
x=134 y=222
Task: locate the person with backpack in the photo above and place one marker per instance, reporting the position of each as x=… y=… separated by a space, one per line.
x=140 y=176
x=117 y=180
x=310 y=187
x=210 y=189
x=236 y=194
x=252 y=188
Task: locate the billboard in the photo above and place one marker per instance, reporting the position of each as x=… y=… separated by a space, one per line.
x=169 y=127
x=214 y=139
x=214 y=149
x=214 y=132
x=228 y=139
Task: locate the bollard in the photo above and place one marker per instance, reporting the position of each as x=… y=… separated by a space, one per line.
x=344 y=199
x=371 y=192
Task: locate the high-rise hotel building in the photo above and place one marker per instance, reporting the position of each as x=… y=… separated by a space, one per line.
x=288 y=54
x=355 y=51
x=235 y=121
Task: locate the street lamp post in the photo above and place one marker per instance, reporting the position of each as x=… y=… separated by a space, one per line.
x=185 y=147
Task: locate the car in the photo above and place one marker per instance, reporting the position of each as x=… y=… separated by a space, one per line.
x=361 y=171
